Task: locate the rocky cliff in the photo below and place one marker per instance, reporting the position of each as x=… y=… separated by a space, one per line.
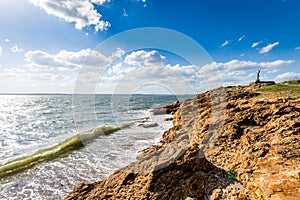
x=241 y=143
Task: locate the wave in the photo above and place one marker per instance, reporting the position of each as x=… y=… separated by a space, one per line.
x=57 y=151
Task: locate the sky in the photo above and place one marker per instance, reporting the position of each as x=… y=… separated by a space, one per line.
x=145 y=46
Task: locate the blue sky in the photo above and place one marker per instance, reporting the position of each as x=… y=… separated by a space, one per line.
x=44 y=43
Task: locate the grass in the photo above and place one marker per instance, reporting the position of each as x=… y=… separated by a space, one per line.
x=230 y=88
x=286 y=89
x=232 y=173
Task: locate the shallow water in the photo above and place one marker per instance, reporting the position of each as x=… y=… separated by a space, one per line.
x=29 y=123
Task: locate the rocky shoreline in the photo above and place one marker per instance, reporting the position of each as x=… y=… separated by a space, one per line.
x=236 y=144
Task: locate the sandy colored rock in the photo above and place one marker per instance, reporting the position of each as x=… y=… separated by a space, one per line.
x=168 y=109
x=255 y=134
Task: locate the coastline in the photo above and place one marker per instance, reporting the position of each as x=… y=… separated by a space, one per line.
x=49 y=170
x=250 y=143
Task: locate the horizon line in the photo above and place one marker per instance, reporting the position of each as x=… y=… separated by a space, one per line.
x=92 y=94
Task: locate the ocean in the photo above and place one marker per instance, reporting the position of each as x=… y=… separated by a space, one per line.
x=31 y=123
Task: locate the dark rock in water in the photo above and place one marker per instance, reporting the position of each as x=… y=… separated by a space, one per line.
x=169 y=119
x=168 y=109
x=148 y=125
x=143 y=120
x=160 y=111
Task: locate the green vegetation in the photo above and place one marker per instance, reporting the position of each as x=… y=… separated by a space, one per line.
x=230 y=88
x=290 y=88
x=232 y=173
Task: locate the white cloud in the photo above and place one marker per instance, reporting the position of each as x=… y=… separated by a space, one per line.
x=138 y=69
x=66 y=59
x=87 y=80
x=12 y=71
x=145 y=3
x=7 y=40
x=118 y=53
x=163 y=76
x=16 y=49
x=100 y=2
x=241 y=38
x=141 y=67
x=188 y=70
x=297 y=49
x=273 y=71
x=287 y=76
x=1 y=50
x=148 y=69
x=30 y=81
x=268 y=48
x=225 y=43
x=241 y=72
x=125 y=13
x=144 y=58
x=82 y=13
x=234 y=65
x=255 y=44
x=46 y=72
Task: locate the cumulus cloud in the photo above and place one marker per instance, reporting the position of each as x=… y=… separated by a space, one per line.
x=268 y=48
x=241 y=72
x=163 y=76
x=118 y=53
x=82 y=13
x=255 y=44
x=1 y=50
x=149 y=69
x=287 y=76
x=241 y=38
x=142 y=68
x=7 y=40
x=16 y=49
x=234 y=65
x=297 y=49
x=144 y=58
x=146 y=66
x=225 y=43
x=66 y=59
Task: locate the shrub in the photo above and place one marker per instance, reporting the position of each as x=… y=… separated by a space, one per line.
x=232 y=173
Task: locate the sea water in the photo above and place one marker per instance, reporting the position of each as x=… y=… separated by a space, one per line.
x=29 y=123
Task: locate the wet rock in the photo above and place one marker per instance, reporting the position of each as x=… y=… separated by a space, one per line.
x=169 y=109
x=148 y=125
x=168 y=119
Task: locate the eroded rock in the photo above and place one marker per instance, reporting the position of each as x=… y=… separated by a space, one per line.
x=257 y=136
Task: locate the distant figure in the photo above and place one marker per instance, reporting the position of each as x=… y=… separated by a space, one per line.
x=257 y=79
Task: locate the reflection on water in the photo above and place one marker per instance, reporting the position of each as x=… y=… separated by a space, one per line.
x=32 y=122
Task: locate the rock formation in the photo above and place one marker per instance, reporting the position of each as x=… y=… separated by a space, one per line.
x=253 y=134
x=168 y=109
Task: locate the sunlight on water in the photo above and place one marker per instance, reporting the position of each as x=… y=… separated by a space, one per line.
x=28 y=123
x=32 y=122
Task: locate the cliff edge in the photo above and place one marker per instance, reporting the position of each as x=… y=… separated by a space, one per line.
x=229 y=143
